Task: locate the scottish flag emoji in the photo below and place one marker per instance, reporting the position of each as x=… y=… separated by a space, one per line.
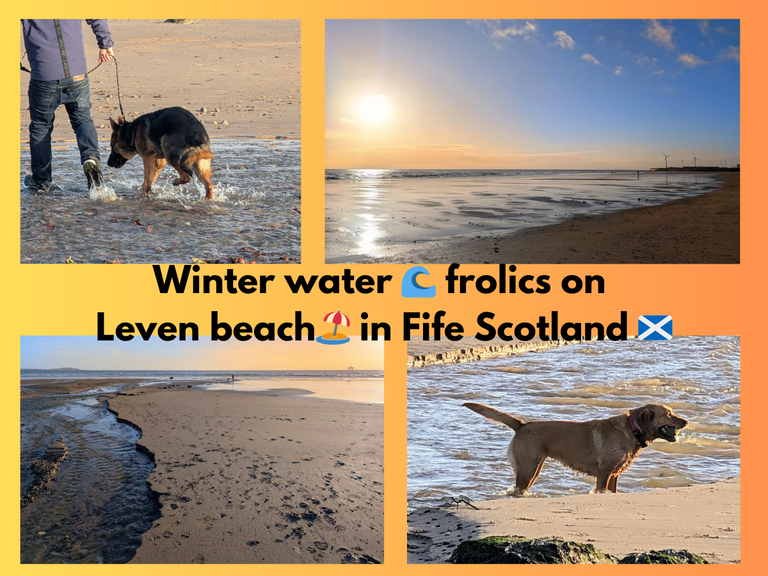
x=654 y=327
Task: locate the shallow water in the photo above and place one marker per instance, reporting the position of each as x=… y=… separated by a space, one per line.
x=453 y=451
x=99 y=503
x=255 y=214
x=375 y=213
x=354 y=389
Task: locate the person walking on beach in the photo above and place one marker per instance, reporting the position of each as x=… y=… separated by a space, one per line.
x=59 y=75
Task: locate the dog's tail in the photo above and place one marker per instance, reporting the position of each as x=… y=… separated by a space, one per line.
x=498 y=415
x=192 y=157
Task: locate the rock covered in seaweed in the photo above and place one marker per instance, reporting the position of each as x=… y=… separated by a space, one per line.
x=663 y=557
x=519 y=550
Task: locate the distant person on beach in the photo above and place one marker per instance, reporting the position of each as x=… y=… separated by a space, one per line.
x=59 y=75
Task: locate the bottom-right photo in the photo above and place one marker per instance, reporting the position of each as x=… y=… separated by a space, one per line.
x=569 y=453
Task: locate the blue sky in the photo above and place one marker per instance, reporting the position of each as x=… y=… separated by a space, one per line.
x=87 y=353
x=533 y=93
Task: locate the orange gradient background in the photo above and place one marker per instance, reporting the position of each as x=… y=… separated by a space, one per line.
x=703 y=299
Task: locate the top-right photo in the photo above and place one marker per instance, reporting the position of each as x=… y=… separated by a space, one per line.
x=532 y=141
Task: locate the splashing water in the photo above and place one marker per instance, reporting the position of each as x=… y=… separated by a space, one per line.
x=255 y=213
x=102 y=194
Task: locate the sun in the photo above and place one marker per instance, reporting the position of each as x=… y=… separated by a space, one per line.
x=374 y=109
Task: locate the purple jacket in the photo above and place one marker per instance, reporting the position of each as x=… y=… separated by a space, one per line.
x=44 y=53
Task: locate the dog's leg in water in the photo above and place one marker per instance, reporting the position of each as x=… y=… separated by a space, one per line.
x=203 y=171
x=159 y=165
x=525 y=475
x=152 y=167
x=603 y=480
x=183 y=176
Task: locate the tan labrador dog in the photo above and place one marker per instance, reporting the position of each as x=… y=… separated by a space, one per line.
x=600 y=448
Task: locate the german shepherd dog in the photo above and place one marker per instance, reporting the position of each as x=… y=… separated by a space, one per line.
x=171 y=134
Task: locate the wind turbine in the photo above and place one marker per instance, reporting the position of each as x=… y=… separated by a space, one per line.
x=694 y=160
x=665 y=160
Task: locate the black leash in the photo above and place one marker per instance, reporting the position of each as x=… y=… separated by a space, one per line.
x=117 y=80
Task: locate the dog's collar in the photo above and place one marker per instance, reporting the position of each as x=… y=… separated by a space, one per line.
x=637 y=432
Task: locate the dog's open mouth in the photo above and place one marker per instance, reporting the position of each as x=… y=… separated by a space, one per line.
x=668 y=433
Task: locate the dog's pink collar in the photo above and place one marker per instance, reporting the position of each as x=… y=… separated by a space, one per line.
x=637 y=432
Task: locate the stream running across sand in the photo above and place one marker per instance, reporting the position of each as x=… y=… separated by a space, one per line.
x=99 y=504
x=255 y=213
x=452 y=451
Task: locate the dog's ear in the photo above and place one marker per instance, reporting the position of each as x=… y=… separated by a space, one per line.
x=115 y=125
x=645 y=419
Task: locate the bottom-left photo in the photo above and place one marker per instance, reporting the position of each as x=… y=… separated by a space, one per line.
x=201 y=452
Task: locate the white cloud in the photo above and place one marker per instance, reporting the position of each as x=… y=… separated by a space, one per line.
x=564 y=40
x=601 y=39
x=591 y=59
x=525 y=30
x=642 y=60
x=619 y=70
x=730 y=53
x=690 y=60
x=657 y=33
x=496 y=30
x=657 y=73
x=704 y=27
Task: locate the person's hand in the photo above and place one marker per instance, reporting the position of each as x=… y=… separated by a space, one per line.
x=105 y=55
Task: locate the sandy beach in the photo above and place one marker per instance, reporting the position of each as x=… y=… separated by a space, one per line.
x=245 y=73
x=699 y=230
x=704 y=519
x=246 y=477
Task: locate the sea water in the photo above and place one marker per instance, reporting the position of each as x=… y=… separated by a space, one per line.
x=376 y=213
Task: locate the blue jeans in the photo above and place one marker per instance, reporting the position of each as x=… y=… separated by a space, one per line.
x=45 y=96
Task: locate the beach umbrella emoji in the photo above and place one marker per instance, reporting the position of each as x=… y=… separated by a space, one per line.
x=336 y=337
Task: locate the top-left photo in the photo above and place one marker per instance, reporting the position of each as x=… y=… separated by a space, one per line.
x=160 y=141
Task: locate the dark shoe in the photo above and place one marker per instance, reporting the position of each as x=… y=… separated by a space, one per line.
x=92 y=170
x=33 y=185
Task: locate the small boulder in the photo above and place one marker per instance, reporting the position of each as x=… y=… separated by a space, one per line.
x=519 y=550
x=663 y=557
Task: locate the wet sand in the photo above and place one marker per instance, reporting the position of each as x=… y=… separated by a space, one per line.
x=244 y=72
x=704 y=519
x=698 y=230
x=255 y=478
x=45 y=387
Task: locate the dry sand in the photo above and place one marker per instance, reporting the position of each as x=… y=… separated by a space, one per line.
x=244 y=72
x=252 y=478
x=704 y=519
x=698 y=230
